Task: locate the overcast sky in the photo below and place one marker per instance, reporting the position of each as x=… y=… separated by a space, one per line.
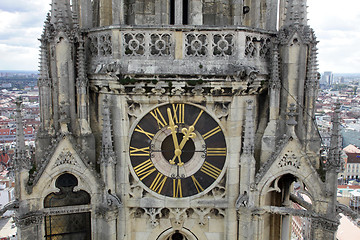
x=336 y=24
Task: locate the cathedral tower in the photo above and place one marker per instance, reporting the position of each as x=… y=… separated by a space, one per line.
x=176 y=119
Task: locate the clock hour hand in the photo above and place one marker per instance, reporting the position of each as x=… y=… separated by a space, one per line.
x=177 y=151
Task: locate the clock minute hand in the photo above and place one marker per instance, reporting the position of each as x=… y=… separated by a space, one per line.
x=189 y=133
x=173 y=127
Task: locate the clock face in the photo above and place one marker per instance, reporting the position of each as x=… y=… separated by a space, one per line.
x=177 y=150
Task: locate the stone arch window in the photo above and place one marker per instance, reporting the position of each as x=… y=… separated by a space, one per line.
x=67 y=225
x=290 y=200
x=171 y=234
x=177 y=236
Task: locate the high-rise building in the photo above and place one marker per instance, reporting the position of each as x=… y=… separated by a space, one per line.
x=179 y=119
x=328 y=78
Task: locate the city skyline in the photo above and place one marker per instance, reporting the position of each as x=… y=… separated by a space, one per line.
x=337 y=27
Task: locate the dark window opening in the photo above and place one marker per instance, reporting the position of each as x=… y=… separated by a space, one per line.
x=172 y=12
x=185 y=12
x=67 y=226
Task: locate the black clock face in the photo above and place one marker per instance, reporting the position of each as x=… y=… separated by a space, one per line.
x=177 y=150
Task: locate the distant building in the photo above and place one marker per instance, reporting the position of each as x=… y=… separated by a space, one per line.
x=352 y=167
x=327 y=78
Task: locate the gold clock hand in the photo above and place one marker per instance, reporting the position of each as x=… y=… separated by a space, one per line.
x=173 y=127
x=188 y=133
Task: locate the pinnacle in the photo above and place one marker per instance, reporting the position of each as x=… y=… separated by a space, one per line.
x=296 y=12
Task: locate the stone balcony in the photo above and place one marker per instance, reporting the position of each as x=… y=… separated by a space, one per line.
x=171 y=50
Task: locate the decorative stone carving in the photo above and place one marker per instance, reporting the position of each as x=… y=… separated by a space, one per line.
x=202 y=212
x=196 y=45
x=221 y=109
x=65 y=157
x=242 y=200
x=217 y=90
x=264 y=51
x=138 y=89
x=289 y=159
x=134 y=44
x=31 y=218
x=154 y=214
x=255 y=47
x=134 y=109
x=219 y=192
x=113 y=200
x=105 y=45
x=177 y=216
x=197 y=90
x=223 y=44
x=136 y=191
x=178 y=90
x=158 y=90
x=246 y=73
x=160 y=44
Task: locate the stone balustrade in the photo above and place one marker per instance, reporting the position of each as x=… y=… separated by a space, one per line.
x=201 y=50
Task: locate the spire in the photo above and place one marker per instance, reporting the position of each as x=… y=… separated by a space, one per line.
x=20 y=138
x=249 y=130
x=21 y=157
x=296 y=12
x=275 y=69
x=312 y=80
x=107 y=152
x=334 y=157
x=61 y=13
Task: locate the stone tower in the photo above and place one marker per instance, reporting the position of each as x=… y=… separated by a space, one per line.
x=177 y=119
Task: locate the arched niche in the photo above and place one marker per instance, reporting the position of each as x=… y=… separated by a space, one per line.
x=61 y=222
x=171 y=234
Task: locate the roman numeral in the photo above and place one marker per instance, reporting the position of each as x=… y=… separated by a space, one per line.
x=214 y=152
x=140 y=152
x=211 y=132
x=210 y=170
x=179 y=113
x=158 y=183
x=177 y=188
x=140 y=130
x=197 y=118
x=159 y=118
x=144 y=169
x=199 y=188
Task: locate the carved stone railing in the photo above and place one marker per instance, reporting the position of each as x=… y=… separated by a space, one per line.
x=189 y=47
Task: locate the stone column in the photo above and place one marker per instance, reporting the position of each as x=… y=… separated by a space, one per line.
x=86 y=14
x=270 y=134
x=237 y=12
x=105 y=12
x=179 y=12
x=282 y=12
x=247 y=172
x=235 y=119
x=286 y=219
x=118 y=14
x=271 y=15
